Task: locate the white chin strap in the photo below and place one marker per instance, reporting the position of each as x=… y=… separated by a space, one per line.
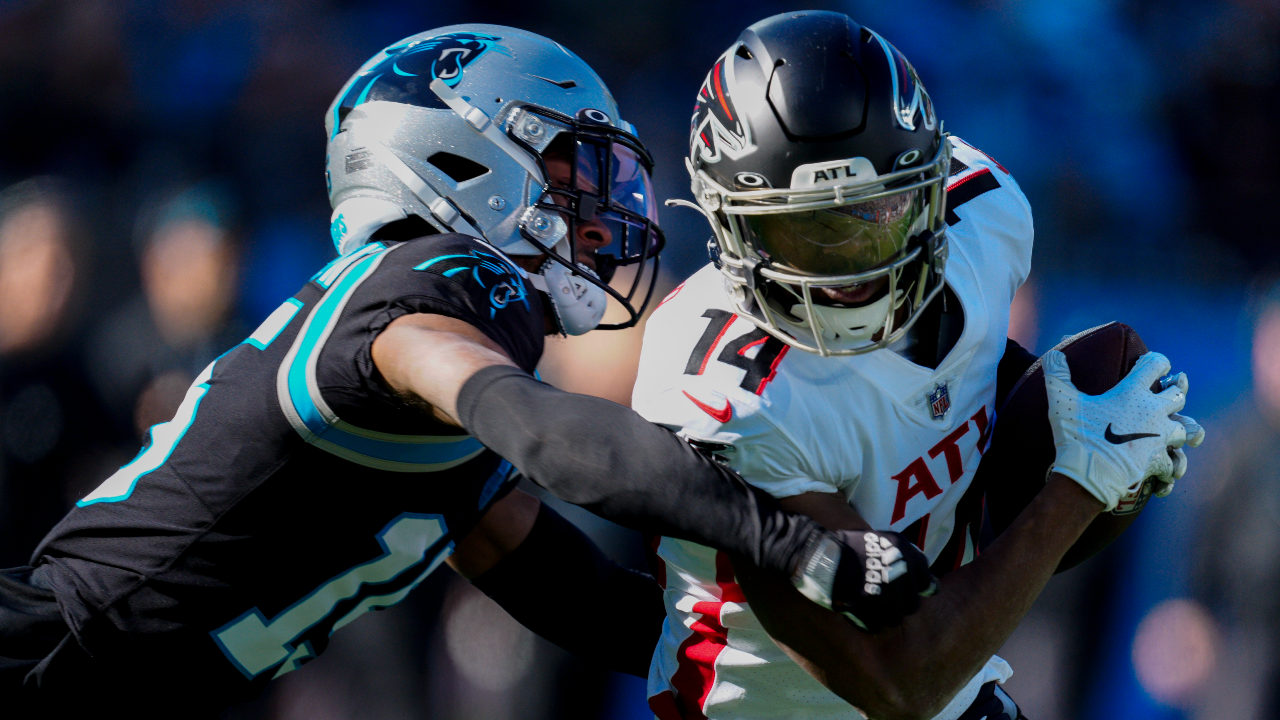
x=851 y=325
x=579 y=304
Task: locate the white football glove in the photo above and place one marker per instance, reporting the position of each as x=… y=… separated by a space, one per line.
x=1110 y=443
x=1195 y=436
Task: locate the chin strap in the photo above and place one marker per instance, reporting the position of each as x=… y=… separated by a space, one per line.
x=578 y=303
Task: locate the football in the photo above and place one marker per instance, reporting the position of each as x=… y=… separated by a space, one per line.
x=1016 y=465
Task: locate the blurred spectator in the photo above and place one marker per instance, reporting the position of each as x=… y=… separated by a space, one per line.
x=50 y=425
x=147 y=352
x=36 y=272
x=1239 y=558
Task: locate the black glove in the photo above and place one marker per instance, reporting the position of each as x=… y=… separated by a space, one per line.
x=873 y=578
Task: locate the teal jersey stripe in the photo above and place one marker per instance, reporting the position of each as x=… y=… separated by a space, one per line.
x=336 y=267
x=433 y=261
x=322 y=427
x=494 y=483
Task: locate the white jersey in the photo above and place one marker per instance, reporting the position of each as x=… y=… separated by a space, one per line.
x=900 y=441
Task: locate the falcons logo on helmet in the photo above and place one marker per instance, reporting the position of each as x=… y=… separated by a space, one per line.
x=718 y=128
x=909 y=96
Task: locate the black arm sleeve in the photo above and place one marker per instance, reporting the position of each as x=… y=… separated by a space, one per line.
x=609 y=460
x=521 y=584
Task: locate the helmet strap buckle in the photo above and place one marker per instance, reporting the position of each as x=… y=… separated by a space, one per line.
x=751 y=273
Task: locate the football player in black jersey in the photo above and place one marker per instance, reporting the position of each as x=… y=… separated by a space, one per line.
x=484 y=190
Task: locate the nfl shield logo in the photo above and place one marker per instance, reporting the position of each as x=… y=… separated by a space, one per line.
x=939 y=401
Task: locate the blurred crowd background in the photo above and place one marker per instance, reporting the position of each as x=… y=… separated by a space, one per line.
x=163 y=189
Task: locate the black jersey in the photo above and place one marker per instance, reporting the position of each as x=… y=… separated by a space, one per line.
x=292 y=491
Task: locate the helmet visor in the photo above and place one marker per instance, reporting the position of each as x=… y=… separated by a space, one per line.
x=618 y=177
x=606 y=193
x=599 y=198
x=840 y=240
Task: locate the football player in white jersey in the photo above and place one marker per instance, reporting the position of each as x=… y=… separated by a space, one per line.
x=827 y=357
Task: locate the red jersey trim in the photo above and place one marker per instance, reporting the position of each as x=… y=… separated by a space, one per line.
x=967 y=178
x=696 y=658
x=773 y=369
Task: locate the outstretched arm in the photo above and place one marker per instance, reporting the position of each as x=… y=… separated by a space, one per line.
x=609 y=460
x=585 y=450
x=914 y=670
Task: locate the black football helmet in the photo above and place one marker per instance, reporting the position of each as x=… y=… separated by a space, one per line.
x=816 y=155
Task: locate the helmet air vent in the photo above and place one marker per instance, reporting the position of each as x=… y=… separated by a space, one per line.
x=458 y=168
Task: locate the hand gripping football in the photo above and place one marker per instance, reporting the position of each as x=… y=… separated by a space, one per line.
x=1016 y=465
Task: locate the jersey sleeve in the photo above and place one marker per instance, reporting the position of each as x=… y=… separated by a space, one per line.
x=451 y=275
x=988 y=212
x=720 y=407
x=762 y=453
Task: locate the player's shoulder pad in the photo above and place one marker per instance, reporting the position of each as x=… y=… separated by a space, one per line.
x=702 y=367
x=966 y=158
x=974 y=174
x=986 y=210
x=451 y=275
x=489 y=279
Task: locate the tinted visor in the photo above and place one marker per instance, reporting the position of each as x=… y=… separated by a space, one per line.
x=607 y=199
x=618 y=171
x=598 y=184
x=841 y=240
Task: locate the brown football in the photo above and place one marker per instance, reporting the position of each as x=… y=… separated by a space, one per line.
x=1016 y=465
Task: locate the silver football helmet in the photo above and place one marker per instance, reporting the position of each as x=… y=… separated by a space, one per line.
x=506 y=136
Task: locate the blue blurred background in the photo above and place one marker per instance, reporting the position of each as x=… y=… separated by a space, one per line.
x=162 y=175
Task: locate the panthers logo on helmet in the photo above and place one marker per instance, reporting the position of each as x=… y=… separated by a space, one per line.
x=396 y=73
x=909 y=95
x=444 y=57
x=717 y=127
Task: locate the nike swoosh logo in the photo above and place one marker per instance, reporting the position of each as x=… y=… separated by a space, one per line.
x=723 y=415
x=1115 y=439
